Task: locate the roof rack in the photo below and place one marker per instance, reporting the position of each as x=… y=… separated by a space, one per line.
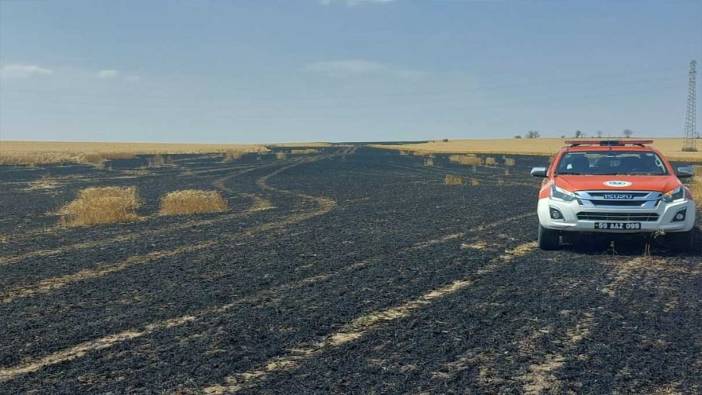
x=608 y=143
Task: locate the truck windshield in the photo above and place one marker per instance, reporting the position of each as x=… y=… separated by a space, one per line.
x=611 y=163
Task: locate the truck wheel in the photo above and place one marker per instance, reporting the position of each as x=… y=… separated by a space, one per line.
x=549 y=239
x=683 y=241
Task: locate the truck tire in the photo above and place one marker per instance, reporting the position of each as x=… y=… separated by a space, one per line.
x=549 y=239
x=683 y=241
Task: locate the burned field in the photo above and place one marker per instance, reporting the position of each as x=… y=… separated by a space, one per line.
x=346 y=270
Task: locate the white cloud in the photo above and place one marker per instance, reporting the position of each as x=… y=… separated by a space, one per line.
x=23 y=71
x=352 y=3
x=351 y=67
x=107 y=74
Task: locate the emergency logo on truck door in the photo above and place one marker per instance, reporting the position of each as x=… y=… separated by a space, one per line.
x=617 y=184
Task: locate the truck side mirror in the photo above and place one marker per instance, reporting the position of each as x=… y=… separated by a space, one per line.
x=538 y=172
x=685 y=172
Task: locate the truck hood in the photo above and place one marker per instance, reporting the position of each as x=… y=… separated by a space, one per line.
x=575 y=183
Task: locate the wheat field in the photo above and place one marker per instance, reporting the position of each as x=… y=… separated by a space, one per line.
x=671 y=147
x=302 y=145
x=95 y=153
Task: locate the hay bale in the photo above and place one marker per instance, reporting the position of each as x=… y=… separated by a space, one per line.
x=192 y=201
x=101 y=205
x=451 y=179
x=467 y=160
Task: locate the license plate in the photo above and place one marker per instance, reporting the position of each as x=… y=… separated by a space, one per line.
x=618 y=225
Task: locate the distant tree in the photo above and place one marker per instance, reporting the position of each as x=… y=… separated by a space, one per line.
x=533 y=134
x=579 y=134
x=627 y=133
x=599 y=134
x=563 y=136
x=517 y=137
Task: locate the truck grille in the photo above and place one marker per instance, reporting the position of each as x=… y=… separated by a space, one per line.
x=639 y=217
x=613 y=199
x=609 y=195
x=619 y=203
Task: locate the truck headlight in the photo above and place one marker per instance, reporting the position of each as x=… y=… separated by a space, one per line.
x=680 y=215
x=562 y=194
x=674 y=195
x=556 y=214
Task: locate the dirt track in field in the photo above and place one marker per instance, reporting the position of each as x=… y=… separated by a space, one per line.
x=353 y=270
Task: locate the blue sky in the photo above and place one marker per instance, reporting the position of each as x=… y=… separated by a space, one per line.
x=342 y=70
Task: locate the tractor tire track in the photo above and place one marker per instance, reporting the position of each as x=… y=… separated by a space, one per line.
x=356 y=329
x=48 y=285
x=56 y=231
x=80 y=350
x=257 y=204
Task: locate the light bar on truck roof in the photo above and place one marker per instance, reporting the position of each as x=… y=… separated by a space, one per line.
x=608 y=143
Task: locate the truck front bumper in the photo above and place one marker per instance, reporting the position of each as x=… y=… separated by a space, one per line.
x=665 y=217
